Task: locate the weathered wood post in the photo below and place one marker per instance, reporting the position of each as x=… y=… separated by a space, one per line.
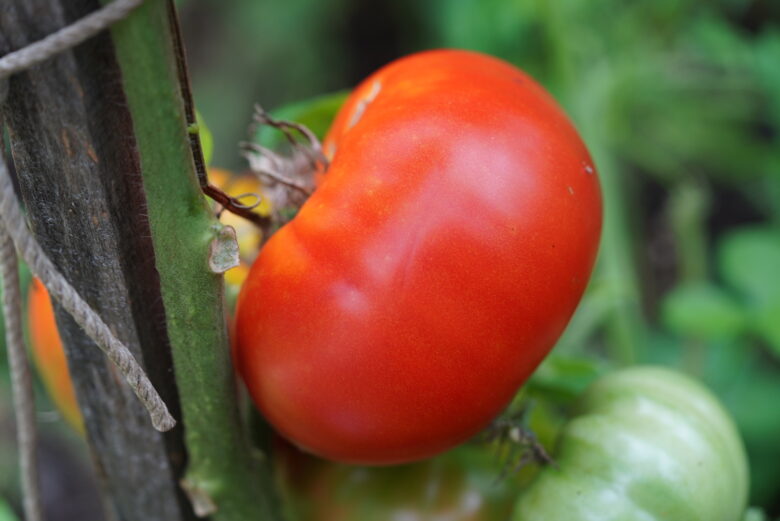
x=102 y=142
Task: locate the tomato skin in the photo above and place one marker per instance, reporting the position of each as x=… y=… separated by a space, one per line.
x=647 y=443
x=432 y=270
x=49 y=355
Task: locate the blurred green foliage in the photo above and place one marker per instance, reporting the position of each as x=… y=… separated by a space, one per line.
x=6 y=514
x=314 y=113
x=679 y=103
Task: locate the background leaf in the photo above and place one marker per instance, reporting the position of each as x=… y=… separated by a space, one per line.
x=749 y=260
x=702 y=310
x=315 y=113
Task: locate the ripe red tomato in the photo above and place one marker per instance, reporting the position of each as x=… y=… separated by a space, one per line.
x=431 y=271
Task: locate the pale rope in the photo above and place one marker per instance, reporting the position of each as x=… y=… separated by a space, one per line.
x=82 y=313
x=66 y=37
x=39 y=263
x=21 y=382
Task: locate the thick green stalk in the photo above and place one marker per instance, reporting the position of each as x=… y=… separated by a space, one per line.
x=222 y=478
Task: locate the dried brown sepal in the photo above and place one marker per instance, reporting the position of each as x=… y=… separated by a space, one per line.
x=288 y=180
x=234 y=205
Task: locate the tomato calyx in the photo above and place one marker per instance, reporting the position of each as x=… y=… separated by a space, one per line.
x=311 y=149
x=290 y=178
x=287 y=180
x=519 y=442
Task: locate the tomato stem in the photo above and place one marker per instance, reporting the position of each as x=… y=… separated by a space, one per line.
x=220 y=468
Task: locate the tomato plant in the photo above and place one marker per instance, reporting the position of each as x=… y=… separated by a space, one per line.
x=646 y=443
x=439 y=259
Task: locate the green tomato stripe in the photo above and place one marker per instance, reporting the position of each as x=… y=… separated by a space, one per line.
x=692 y=402
x=647 y=444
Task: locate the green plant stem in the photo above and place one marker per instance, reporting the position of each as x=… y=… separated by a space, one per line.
x=687 y=211
x=222 y=479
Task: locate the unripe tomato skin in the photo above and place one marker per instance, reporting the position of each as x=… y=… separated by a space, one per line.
x=646 y=443
x=432 y=270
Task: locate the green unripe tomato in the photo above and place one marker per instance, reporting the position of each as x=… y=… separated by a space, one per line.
x=646 y=444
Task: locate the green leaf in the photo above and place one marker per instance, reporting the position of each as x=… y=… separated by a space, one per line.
x=702 y=310
x=766 y=322
x=315 y=113
x=749 y=260
x=750 y=390
x=754 y=514
x=206 y=139
x=563 y=378
x=6 y=514
x=767 y=54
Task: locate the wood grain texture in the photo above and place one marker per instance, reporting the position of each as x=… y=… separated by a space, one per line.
x=75 y=154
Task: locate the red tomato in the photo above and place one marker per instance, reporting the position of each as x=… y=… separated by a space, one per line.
x=432 y=270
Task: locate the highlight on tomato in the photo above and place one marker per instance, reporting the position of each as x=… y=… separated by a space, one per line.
x=434 y=267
